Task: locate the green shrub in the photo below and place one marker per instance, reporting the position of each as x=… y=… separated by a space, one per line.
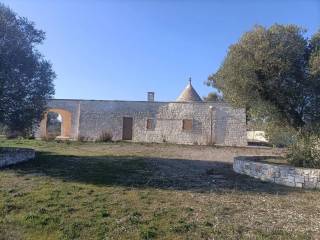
x=2 y=129
x=305 y=151
x=47 y=137
x=82 y=138
x=280 y=136
x=149 y=232
x=105 y=136
x=13 y=134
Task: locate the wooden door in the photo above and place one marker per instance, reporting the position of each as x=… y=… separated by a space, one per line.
x=127 y=128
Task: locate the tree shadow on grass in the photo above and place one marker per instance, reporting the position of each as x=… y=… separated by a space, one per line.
x=162 y=173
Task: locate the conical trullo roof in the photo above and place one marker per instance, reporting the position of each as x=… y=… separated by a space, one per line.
x=189 y=94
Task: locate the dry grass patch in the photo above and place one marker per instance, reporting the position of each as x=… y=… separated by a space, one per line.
x=146 y=191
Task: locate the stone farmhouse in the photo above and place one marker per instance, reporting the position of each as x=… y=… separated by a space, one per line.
x=188 y=120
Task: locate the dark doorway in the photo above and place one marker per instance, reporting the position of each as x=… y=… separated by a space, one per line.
x=127 y=128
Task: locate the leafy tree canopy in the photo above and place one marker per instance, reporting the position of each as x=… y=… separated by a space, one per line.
x=274 y=73
x=212 y=97
x=26 y=78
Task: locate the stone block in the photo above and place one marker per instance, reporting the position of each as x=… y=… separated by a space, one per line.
x=290 y=178
x=280 y=181
x=289 y=183
x=284 y=173
x=310 y=185
x=299 y=179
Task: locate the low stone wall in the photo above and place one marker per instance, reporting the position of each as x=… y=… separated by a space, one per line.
x=9 y=156
x=280 y=174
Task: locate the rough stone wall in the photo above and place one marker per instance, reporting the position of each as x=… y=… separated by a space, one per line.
x=91 y=117
x=9 y=156
x=280 y=174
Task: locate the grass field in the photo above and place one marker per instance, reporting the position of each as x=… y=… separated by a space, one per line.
x=146 y=191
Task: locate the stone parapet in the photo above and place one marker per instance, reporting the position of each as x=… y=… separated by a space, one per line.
x=10 y=156
x=279 y=174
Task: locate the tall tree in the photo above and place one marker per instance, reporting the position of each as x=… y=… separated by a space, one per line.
x=273 y=72
x=213 y=97
x=26 y=78
x=314 y=78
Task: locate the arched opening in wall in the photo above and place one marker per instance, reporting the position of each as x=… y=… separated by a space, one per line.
x=56 y=124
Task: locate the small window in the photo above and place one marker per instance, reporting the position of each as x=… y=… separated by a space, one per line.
x=187 y=124
x=150 y=124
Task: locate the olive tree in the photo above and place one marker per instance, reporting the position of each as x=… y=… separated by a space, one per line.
x=26 y=77
x=275 y=74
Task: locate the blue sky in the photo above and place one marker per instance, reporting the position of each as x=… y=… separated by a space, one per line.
x=122 y=49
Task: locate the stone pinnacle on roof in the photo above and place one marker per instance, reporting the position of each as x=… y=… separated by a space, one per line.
x=189 y=94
